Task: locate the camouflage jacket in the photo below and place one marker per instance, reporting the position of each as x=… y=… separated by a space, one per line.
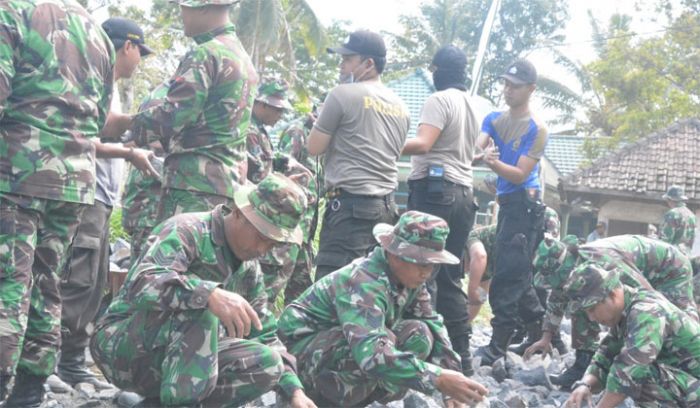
x=363 y=300
x=487 y=236
x=652 y=330
x=140 y=200
x=551 y=222
x=203 y=117
x=55 y=88
x=188 y=259
x=643 y=261
x=293 y=141
x=678 y=228
x=260 y=152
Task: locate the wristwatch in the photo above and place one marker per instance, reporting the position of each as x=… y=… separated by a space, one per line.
x=580 y=383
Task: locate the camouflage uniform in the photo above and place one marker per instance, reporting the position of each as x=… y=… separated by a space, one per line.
x=487 y=236
x=695 y=262
x=201 y=116
x=652 y=355
x=288 y=266
x=359 y=337
x=55 y=87
x=641 y=261
x=293 y=140
x=552 y=225
x=158 y=337
x=678 y=228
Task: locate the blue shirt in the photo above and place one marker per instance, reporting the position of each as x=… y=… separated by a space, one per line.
x=515 y=138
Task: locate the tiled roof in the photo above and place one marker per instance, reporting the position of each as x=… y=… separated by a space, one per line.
x=564 y=151
x=649 y=166
x=413 y=89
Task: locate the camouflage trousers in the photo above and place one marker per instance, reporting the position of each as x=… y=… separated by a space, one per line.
x=659 y=385
x=35 y=235
x=179 y=358
x=696 y=288
x=331 y=376
x=287 y=267
x=174 y=201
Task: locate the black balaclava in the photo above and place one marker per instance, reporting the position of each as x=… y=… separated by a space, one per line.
x=450 y=64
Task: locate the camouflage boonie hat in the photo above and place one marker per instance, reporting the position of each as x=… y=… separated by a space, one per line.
x=675 y=193
x=202 y=3
x=274 y=93
x=589 y=285
x=417 y=238
x=274 y=207
x=553 y=261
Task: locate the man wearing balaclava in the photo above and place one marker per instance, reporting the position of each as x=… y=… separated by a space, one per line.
x=440 y=183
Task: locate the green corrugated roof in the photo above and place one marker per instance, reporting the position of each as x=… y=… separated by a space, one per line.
x=413 y=89
x=565 y=152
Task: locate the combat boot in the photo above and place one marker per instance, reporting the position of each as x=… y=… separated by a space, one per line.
x=28 y=391
x=460 y=345
x=574 y=373
x=534 y=333
x=73 y=370
x=4 y=385
x=496 y=348
x=558 y=344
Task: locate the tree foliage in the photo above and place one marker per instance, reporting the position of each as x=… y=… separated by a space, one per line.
x=644 y=84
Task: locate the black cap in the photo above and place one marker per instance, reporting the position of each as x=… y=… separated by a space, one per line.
x=450 y=58
x=363 y=42
x=120 y=30
x=521 y=72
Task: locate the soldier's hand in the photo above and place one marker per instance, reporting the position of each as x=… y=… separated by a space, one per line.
x=234 y=312
x=141 y=159
x=450 y=403
x=578 y=396
x=300 y=400
x=455 y=385
x=541 y=345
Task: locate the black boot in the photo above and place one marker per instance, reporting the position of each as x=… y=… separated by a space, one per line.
x=28 y=391
x=460 y=344
x=574 y=373
x=534 y=333
x=496 y=348
x=72 y=370
x=558 y=344
x=4 y=385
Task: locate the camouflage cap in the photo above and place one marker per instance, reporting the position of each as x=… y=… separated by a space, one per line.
x=553 y=261
x=275 y=206
x=589 y=285
x=274 y=93
x=417 y=238
x=675 y=193
x=202 y=3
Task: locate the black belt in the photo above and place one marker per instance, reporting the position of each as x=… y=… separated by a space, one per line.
x=340 y=193
x=519 y=196
x=425 y=180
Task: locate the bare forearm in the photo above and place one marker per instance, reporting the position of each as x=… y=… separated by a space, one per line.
x=511 y=173
x=112 y=150
x=611 y=400
x=414 y=147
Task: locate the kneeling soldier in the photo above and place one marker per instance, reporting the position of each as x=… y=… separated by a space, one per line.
x=161 y=336
x=367 y=332
x=651 y=353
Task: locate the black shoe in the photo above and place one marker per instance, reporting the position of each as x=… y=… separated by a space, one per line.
x=73 y=370
x=488 y=354
x=28 y=391
x=574 y=373
x=534 y=333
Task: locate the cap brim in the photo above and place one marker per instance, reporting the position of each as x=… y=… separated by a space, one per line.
x=341 y=50
x=145 y=50
x=384 y=234
x=265 y=227
x=681 y=198
x=513 y=79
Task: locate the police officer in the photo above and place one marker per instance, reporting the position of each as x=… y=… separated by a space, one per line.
x=361 y=131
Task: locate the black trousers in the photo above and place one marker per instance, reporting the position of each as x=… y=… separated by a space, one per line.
x=455 y=204
x=512 y=294
x=346 y=232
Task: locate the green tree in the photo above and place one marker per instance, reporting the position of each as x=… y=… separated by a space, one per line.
x=645 y=84
x=520 y=28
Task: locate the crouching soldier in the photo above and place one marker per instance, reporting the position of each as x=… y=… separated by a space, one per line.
x=651 y=353
x=367 y=332
x=161 y=336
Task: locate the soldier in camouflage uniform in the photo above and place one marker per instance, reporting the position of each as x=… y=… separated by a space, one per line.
x=269 y=106
x=56 y=79
x=203 y=115
x=642 y=262
x=293 y=140
x=478 y=250
x=695 y=263
x=552 y=225
x=288 y=266
x=163 y=334
x=368 y=332
x=651 y=353
x=678 y=226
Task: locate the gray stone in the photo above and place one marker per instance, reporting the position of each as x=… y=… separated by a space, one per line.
x=515 y=401
x=533 y=377
x=269 y=399
x=57 y=385
x=107 y=394
x=90 y=404
x=128 y=399
x=413 y=400
x=484 y=371
x=497 y=403
x=85 y=390
x=499 y=371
